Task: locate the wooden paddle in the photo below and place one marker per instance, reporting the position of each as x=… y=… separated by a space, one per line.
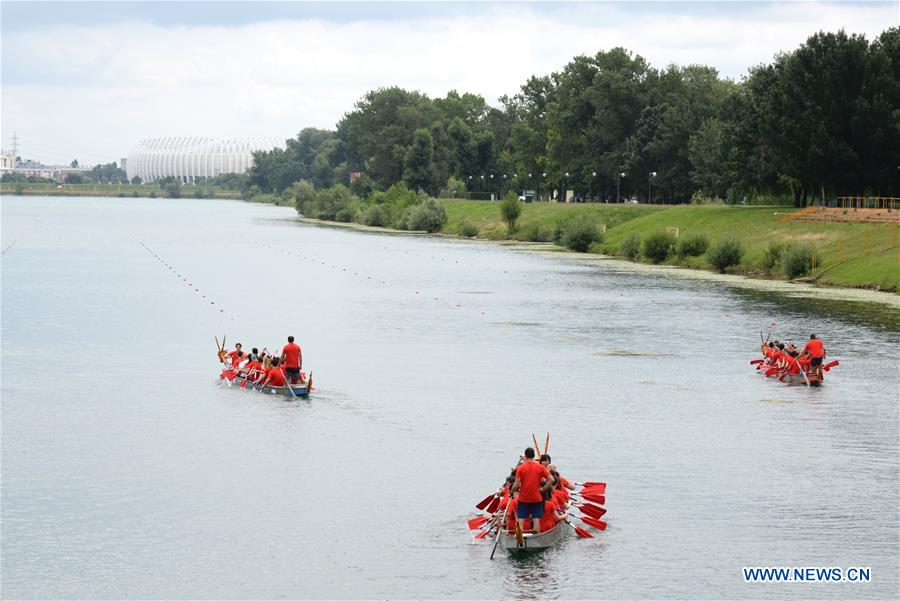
x=500 y=528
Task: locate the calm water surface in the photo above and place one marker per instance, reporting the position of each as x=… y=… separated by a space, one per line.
x=127 y=472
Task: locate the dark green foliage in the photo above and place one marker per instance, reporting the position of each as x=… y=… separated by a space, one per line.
x=510 y=209
x=332 y=204
x=772 y=256
x=304 y=197
x=173 y=189
x=74 y=178
x=658 y=246
x=152 y=194
x=136 y=180
x=631 y=246
x=539 y=233
x=374 y=216
x=578 y=233
x=692 y=245
x=796 y=260
x=428 y=216
x=725 y=253
x=468 y=229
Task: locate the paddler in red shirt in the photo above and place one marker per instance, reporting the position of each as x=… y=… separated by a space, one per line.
x=815 y=350
x=274 y=377
x=236 y=356
x=548 y=463
x=531 y=479
x=292 y=358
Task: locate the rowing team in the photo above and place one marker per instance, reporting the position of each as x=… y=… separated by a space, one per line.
x=781 y=358
x=535 y=498
x=264 y=368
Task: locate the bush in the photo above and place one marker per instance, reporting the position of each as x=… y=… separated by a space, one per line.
x=74 y=178
x=693 y=245
x=304 y=195
x=772 y=256
x=173 y=189
x=510 y=209
x=577 y=233
x=631 y=246
x=428 y=216
x=454 y=188
x=374 y=216
x=334 y=204
x=796 y=260
x=121 y=195
x=20 y=189
x=725 y=253
x=134 y=194
x=539 y=233
x=468 y=229
x=152 y=194
x=658 y=245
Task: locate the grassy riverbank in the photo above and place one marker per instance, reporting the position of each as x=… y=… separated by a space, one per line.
x=114 y=190
x=846 y=254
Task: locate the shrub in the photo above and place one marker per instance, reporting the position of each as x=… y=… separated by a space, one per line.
x=173 y=189
x=631 y=246
x=454 y=188
x=539 y=233
x=796 y=260
x=333 y=204
x=428 y=216
x=152 y=194
x=374 y=216
x=693 y=245
x=134 y=194
x=772 y=255
x=468 y=229
x=510 y=209
x=658 y=245
x=577 y=233
x=725 y=253
x=304 y=196
x=121 y=195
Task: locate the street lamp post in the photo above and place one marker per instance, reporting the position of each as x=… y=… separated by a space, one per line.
x=650 y=186
x=563 y=191
x=492 y=186
x=591 y=187
x=503 y=186
x=541 y=183
x=619 y=177
x=481 y=186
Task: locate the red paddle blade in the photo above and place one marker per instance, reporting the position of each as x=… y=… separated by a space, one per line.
x=756 y=361
x=598 y=488
x=476 y=523
x=486 y=501
x=598 y=524
x=828 y=366
x=591 y=510
x=494 y=505
x=582 y=533
x=598 y=499
x=483 y=534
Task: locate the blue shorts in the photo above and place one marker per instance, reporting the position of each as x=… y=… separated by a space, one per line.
x=535 y=510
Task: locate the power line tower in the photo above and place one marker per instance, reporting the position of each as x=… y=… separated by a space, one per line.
x=15 y=144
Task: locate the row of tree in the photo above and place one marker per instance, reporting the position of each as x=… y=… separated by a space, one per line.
x=820 y=121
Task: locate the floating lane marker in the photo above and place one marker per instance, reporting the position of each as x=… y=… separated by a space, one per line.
x=183 y=278
x=8 y=248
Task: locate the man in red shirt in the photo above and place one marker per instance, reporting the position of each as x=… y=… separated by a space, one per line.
x=815 y=350
x=252 y=369
x=236 y=356
x=292 y=357
x=275 y=376
x=531 y=478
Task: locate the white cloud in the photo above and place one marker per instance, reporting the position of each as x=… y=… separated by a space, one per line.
x=89 y=92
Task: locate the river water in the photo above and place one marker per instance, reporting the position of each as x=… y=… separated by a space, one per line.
x=128 y=472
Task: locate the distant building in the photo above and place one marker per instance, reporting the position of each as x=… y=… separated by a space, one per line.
x=192 y=158
x=7 y=161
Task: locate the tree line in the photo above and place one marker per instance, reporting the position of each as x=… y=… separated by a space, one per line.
x=821 y=121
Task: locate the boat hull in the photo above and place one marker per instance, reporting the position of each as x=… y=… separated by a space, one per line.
x=531 y=542
x=296 y=390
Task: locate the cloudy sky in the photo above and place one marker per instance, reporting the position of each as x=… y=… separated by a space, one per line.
x=86 y=79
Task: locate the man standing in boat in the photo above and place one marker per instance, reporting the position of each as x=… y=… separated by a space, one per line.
x=816 y=352
x=292 y=358
x=531 y=478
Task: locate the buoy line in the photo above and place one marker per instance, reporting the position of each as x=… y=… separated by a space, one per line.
x=184 y=279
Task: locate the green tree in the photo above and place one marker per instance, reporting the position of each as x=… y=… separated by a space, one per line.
x=510 y=210
x=418 y=165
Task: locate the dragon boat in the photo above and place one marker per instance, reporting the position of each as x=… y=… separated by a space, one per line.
x=531 y=541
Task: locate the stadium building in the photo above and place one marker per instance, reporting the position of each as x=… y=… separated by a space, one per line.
x=193 y=158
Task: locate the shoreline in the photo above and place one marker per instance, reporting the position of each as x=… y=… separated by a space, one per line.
x=781 y=286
